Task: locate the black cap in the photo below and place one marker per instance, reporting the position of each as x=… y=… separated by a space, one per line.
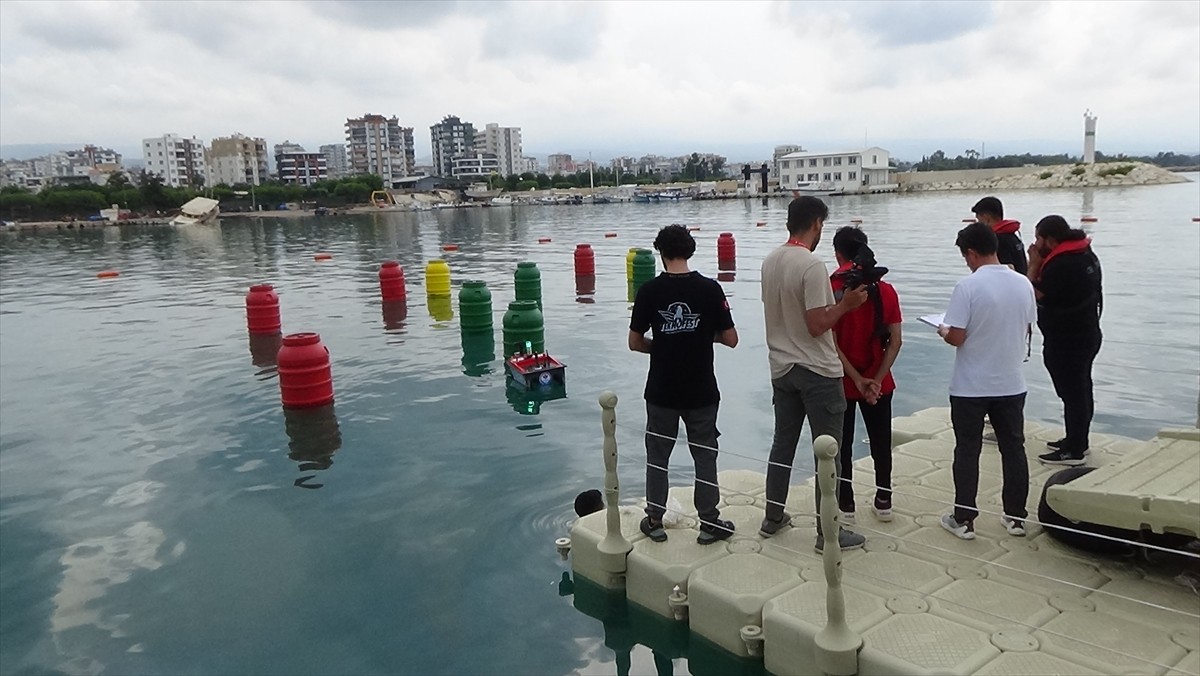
x=989 y=205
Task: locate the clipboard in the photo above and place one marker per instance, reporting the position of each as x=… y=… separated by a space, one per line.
x=933 y=320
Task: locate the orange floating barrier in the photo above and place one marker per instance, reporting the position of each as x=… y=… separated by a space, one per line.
x=610 y=234
x=107 y=274
x=1089 y=219
x=322 y=257
x=543 y=240
x=449 y=247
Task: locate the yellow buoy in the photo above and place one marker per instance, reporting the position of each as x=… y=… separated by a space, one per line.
x=629 y=264
x=437 y=278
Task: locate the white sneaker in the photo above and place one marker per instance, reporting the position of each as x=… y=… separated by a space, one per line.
x=1015 y=527
x=845 y=517
x=964 y=530
x=883 y=514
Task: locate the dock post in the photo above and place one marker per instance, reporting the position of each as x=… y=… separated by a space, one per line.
x=614 y=547
x=836 y=645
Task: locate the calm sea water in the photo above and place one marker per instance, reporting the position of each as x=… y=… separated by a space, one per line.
x=159 y=513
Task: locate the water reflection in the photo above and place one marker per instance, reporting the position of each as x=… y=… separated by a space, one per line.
x=313 y=438
x=440 y=308
x=478 y=351
x=627 y=625
x=585 y=288
x=529 y=401
x=264 y=348
x=394 y=314
x=1088 y=206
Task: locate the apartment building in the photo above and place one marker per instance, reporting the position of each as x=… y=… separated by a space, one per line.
x=505 y=144
x=530 y=165
x=237 y=159
x=379 y=145
x=560 y=163
x=449 y=139
x=336 y=162
x=295 y=165
x=475 y=166
x=179 y=160
x=851 y=170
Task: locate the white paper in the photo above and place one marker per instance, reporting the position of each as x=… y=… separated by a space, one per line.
x=934 y=320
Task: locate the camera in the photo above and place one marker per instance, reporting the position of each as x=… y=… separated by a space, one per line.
x=863 y=269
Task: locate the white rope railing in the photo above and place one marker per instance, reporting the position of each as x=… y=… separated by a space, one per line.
x=893 y=491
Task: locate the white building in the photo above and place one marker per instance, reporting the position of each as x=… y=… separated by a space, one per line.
x=237 y=159
x=504 y=143
x=475 y=166
x=530 y=165
x=845 y=171
x=177 y=159
x=336 y=161
x=379 y=145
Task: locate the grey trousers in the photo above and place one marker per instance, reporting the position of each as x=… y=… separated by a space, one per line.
x=800 y=393
x=701 y=424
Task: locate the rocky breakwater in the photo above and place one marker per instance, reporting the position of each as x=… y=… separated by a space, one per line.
x=1021 y=178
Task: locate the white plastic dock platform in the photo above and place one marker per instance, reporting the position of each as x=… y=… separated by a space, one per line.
x=924 y=601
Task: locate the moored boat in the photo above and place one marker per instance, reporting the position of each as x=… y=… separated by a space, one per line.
x=196 y=211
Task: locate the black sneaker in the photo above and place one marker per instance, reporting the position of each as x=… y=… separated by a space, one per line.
x=1057 y=445
x=653 y=529
x=1061 y=457
x=714 y=531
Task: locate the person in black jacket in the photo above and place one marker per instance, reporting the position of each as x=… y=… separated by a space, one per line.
x=1067 y=280
x=1011 y=251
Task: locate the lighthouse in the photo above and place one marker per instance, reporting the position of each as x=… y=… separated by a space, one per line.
x=1089 y=137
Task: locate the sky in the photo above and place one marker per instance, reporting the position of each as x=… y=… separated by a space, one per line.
x=611 y=78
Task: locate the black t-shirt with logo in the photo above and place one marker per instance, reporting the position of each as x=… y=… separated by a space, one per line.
x=685 y=312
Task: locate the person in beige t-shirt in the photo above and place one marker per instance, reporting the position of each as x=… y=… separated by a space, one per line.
x=806 y=373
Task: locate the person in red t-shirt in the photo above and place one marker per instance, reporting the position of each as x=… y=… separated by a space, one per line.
x=868 y=340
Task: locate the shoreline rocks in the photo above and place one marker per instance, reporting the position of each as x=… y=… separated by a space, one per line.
x=1028 y=178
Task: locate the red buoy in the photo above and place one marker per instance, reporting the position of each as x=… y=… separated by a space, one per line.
x=391 y=281
x=693 y=228
x=968 y=220
x=305 y=378
x=449 y=247
x=761 y=224
x=107 y=274
x=1089 y=219
x=585 y=260
x=543 y=240
x=610 y=234
x=856 y=221
x=322 y=257
x=262 y=310
x=726 y=247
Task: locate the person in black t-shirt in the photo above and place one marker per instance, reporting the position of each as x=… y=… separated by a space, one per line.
x=1066 y=277
x=686 y=313
x=1010 y=250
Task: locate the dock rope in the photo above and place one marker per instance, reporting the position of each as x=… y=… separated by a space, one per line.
x=1132 y=543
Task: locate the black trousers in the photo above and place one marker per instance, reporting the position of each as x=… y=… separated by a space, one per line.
x=1069 y=361
x=878 y=420
x=1008 y=420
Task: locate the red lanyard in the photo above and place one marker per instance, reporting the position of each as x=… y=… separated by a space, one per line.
x=796 y=242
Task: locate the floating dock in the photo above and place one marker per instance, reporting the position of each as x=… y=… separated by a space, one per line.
x=921 y=600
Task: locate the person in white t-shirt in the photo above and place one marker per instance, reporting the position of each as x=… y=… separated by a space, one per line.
x=989 y=315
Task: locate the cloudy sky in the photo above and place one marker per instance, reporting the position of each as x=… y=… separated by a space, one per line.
x=611 y=77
